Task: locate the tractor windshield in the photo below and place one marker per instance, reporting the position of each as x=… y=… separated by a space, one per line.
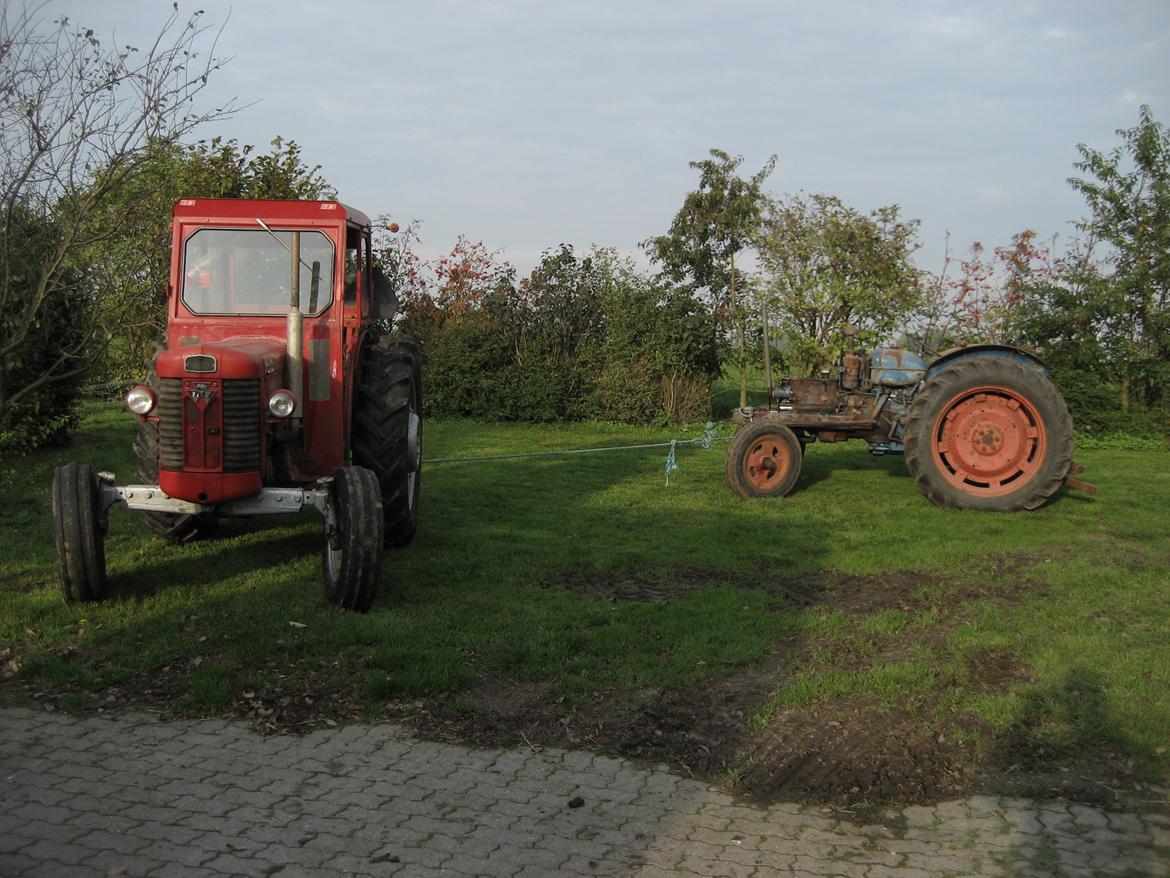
x=250 y=271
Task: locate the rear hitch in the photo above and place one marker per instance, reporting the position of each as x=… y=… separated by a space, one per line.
x=1076 y=484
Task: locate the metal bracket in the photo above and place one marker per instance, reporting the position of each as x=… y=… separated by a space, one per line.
x=270 y=501
x=146 y=498
x=319 y=498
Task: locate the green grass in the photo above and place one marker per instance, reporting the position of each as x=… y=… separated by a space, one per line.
x=491 y=588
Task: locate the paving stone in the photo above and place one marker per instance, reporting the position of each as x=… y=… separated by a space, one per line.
x=40 y=830
x=1127 y=823
x=17 y=864
x=135 y=794
x=232 y=864
x=53 y=869
x=897 y=872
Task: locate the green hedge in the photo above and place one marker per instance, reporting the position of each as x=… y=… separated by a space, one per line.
x=1095 y=405
x=582 y=337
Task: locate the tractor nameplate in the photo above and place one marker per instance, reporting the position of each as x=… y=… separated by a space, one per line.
x=201 y=393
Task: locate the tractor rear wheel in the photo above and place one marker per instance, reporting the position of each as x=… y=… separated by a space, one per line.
x=352 y=554
x=77 y=528
x=989 y=433
x=171 y=526
x=387 y=430
x=763 y=460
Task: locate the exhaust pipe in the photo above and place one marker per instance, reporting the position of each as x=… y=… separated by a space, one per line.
x=295 y=328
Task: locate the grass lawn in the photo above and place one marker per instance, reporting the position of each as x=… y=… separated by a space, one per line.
x=580 y=601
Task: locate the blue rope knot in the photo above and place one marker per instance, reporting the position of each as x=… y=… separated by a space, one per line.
x=671 y=462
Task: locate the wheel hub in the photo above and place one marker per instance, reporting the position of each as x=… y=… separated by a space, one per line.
x=989 y=440
x=764 y=461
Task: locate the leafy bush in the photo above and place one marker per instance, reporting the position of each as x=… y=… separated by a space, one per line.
x=581 y=337
x=1096 y=409
x=55 y=342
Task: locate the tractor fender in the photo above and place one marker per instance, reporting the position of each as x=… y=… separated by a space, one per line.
x=953 y=355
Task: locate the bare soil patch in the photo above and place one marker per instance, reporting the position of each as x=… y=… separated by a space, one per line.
x=855 y=751
x=851 y=593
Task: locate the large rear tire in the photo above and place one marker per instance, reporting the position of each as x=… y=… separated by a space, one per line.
x=763 y=460
x=989 y=433
x=386 y=437
x=171 y=526
x=77 y=529
x=352 y=554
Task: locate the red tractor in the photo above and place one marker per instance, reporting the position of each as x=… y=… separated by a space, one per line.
x=273 y=394
x=982 y=427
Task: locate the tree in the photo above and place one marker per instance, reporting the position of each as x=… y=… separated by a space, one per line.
x=1128 y=194
x=989 y=297
x=46 y=414
x=76 y=120
x=716 y=223
x=825 y=265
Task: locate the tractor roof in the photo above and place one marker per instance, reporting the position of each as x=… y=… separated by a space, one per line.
x=243 y=208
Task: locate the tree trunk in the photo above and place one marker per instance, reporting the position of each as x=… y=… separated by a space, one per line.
x=767 y=350
x=737 y=312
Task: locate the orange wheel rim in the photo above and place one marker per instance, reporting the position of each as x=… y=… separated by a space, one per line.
x=989 y=441
x=766 y=462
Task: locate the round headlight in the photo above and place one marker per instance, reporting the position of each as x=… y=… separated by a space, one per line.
x=141 y=400
x=282 y=404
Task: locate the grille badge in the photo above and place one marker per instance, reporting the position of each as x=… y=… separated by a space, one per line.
x=202 y=394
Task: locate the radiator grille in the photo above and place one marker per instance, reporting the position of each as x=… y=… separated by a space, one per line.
x=241 y=426
x=170 y=424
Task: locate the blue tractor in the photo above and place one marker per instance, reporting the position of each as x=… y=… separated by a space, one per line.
x=982 y=426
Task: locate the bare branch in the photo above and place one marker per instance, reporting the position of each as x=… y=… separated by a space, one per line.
x=77 y=118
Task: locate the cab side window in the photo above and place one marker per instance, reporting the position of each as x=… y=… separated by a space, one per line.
x=366 y=262
x=353 y=265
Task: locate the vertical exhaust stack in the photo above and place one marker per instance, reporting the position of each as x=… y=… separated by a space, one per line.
x=295 y=327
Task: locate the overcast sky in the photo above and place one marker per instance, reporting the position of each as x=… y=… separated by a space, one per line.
x=528 y=124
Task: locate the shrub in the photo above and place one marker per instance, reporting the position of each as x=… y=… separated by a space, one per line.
x=57 y=340
x=1096 y=408
x=579 y=338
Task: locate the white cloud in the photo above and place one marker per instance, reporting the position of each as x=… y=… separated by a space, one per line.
x=949 y=27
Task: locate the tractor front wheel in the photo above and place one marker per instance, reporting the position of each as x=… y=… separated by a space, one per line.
x=763 y=460
x=352 y=555
x=989 y=433
x=77 y=527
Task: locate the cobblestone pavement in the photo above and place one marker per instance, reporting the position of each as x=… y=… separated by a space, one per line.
x=132 y=795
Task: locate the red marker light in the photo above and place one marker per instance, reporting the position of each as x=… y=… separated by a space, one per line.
x=393 y=227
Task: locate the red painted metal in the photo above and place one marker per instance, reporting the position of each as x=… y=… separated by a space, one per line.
x=209 y=487
x=989 y=441
x=767 y=462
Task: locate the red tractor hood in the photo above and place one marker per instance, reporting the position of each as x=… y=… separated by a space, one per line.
x=211 y=417
x=261 y=358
